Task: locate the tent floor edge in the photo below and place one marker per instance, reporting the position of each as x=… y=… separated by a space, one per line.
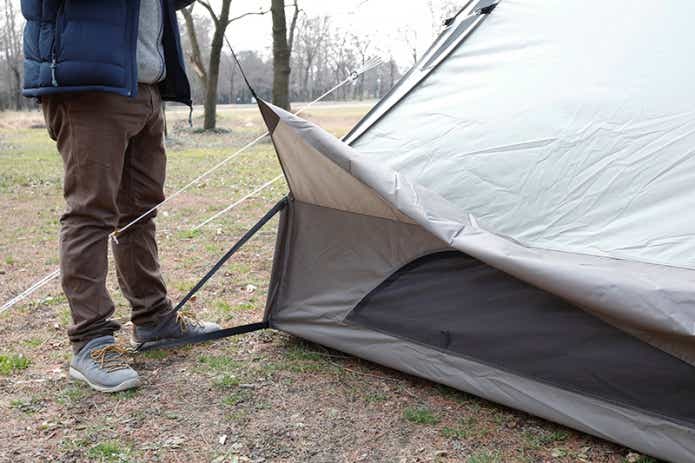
x=645 y=433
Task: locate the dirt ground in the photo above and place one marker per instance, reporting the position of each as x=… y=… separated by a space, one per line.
x=261 y=397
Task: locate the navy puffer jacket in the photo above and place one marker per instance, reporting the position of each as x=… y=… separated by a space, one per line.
x=89 y=45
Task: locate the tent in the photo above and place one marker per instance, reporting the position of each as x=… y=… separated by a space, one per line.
x=515 y=219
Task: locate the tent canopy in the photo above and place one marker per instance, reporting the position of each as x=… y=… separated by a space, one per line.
x=513 y=219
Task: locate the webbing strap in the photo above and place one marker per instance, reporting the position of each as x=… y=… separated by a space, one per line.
x=225 y=332
x=247 y=236
x=219 y=334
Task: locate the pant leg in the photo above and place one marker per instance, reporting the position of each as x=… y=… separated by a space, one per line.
x=92 y=132
x=136 y=254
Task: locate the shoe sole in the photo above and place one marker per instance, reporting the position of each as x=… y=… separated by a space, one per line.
x=125 y=385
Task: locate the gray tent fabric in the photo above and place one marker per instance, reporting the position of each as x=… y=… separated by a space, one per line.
x=578 y=120
x=554 y=169
x=331 y=260
x=333 y=255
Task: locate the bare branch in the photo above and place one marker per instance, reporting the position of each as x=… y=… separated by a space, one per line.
x=293 y=26
x=258 y=13
x=207 y=6
x=195 y=56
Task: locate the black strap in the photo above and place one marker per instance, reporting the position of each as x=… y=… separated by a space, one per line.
x=243 y=74
x=219 y=334
x=225 y=332
x=247 y=236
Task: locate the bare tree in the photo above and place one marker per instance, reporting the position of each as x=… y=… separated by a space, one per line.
x=409 y=38
x=293 y=25
x=210 y=76
x=361 y=45
x=282 y=52
x=312 y=41
x=12 y=51
x=195 y=56
x=342 y=59
x=320 y=56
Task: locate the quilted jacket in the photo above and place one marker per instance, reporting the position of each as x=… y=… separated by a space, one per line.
x=90 y=45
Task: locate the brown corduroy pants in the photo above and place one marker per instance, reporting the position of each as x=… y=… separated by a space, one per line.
x=115 y=161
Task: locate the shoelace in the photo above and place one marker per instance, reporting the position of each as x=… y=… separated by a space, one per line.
x=185 y=321
x=110 y=358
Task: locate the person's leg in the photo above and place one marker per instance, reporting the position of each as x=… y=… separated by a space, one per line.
x=142 y=188
x=154 y=318
x=91 y=131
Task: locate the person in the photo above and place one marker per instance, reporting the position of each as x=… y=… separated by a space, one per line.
x=101 y=71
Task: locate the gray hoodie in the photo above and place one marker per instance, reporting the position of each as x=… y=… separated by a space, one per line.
x=150 y=51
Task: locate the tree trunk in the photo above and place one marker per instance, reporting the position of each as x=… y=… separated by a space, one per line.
x=17 y=88
x=12 y=53
x=232 y=100
x=281 y=56
x=293 y=25
x=307 y=73
x=213 y=78
x=221 y=24
x=196 y=56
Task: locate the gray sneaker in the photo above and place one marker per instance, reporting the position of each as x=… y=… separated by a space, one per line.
x=102 y=365
x=180 y=327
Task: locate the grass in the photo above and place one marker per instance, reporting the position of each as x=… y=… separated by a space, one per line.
x=189 y=234
x=302 y=352
x=12 y=363
x=124 y=395
x=227 y=381
x=218 y=363
x=420 y=415
x=484 y=456
x=33 y=342
x=111 y=451
x=185 y=286
x=375 y=397
x=54 y=300
x=226 y=308
x=71 y=445
x=467 y=428
x=155 y=354
x=64 y=316
x=72 y=393
x=453 y=394
x=236 y=398
x=298 y=357
x=28 y=406
x=536 y=439
x=40 y=167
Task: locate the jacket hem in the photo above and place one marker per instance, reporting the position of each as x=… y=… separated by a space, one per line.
x=42 y=91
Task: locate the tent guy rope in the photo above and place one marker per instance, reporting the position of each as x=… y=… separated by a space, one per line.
x=236 y=203
x=353 y=76
x=369 y=65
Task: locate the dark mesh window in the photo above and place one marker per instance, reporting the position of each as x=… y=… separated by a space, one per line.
x=455 y=303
